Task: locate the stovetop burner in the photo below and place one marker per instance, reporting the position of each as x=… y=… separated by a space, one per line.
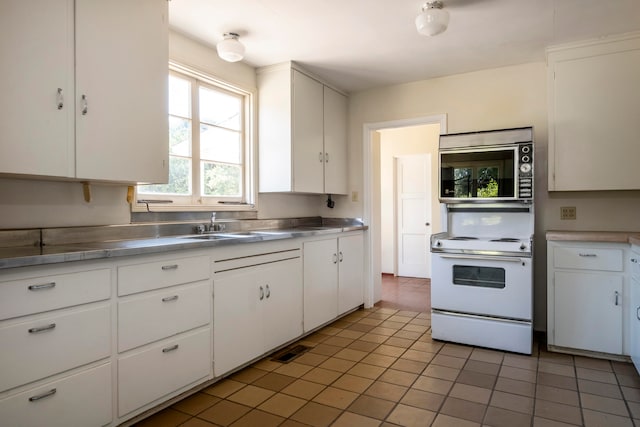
x=506 y=239
x=463 y=238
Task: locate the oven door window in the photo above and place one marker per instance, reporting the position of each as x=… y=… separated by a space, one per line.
x=481 y=175
x=481 y=277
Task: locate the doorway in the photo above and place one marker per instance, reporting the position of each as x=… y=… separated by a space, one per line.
x=372 y=136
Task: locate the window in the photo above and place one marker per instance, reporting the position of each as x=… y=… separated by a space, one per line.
x=209 y=146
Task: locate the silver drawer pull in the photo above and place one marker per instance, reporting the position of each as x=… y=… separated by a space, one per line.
x=261 y=293
x=170 y=267
x=268 y=291
x=42 y=328
x=172 y=298
x=617 y=294
x=588 y=255
x=42 y=286
x=168 y=349
x=43 y=395
x=638 y=313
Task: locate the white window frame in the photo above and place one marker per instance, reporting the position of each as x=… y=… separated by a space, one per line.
x=196 y=202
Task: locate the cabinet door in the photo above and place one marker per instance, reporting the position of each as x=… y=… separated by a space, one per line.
x=282 y=305
x=593 y=132
x=37 y=51
x=335 y=142
x=320 y=282
x=635 y=322
x=122 y=71
x=237 y=336
x=308 y=151
x=350 y=272
x=588 y=311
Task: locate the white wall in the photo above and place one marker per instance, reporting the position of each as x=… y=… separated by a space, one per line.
x=399 y=142
x=39 y=203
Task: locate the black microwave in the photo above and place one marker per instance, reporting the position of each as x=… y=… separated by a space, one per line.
x=486 y=166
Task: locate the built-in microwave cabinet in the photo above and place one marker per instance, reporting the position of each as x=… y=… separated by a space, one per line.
x=303 y=133
x=85 y=93
x=593 y=122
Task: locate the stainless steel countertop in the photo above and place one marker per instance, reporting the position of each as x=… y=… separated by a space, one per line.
x=25 y=256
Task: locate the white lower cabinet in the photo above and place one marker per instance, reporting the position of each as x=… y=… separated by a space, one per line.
x=81 y=399
x=154 y=315
x=588 y=297
x=257 y=307
x=164 y=328
x=40 y=346
x=149 y=374
x=634 y=312
x=588 y=312
x=333 y=278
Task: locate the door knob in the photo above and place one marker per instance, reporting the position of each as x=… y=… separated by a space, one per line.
x=427 y=224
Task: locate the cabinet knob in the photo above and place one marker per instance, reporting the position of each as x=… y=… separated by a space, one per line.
x=85 y=105
x=60 y=100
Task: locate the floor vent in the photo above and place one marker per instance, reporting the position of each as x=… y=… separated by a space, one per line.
x=289 y=354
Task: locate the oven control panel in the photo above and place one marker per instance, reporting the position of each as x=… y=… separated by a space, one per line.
x=525 y=171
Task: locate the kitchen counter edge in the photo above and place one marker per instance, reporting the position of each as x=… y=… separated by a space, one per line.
x=631 y=237
x=11 y=258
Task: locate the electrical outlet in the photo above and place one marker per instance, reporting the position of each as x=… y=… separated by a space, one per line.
x=354 y=196
x=568 y=212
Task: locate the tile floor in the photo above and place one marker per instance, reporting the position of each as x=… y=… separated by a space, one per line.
x=379 y=367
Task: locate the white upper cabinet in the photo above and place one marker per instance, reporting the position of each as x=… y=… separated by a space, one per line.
x=104 y=118
x=37 y=110
x=302 y=133
x=594 y=99
x=335 y=142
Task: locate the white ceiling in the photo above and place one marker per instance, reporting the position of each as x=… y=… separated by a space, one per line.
x=358 y=44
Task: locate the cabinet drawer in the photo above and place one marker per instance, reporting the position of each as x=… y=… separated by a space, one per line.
x=45 y=346
x=160 y=274
x=586 y=258
x=163 y=368
x=160 y=314
x=43 y=293
x=83 y=399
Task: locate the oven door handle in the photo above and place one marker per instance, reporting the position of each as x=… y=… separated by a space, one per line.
x=483 y=257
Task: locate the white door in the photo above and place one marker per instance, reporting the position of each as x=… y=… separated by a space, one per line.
x=350 y=272
x=413 y=215
x=320 y=280
x=588 y=311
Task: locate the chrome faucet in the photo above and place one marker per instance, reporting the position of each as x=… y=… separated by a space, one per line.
x=213 y=226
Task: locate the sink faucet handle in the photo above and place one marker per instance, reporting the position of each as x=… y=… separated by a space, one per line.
x=200 y=228
x=213 y=217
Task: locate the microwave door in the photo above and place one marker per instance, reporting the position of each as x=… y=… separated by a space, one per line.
x=477 y=175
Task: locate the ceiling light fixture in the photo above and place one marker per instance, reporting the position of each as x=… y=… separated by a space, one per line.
x=230 y=49
x=433 y=19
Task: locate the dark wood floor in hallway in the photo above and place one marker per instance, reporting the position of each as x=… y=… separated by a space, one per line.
x=405 y=293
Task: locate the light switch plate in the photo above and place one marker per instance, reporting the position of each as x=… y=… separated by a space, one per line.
x=568 y=212
x=354 y=196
